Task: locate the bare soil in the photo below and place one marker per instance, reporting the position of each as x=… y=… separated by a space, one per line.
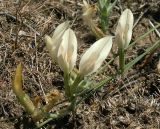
x=132 y=102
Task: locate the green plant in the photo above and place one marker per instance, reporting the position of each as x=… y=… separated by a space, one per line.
x=88 y=11
x=79 y=82
x=104 y=9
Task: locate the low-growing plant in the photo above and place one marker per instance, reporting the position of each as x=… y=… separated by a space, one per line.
x=88 y=11
x=105 y=7
x=79 y=82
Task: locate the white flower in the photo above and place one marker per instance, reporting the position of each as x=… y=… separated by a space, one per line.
x=67 y=53
x=53 y=42
x=95 y=55
x=124 y=29
x=63 y=49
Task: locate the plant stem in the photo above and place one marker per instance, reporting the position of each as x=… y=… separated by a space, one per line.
x=95 y=88
x=54 y=116
x=121 y=59
x=66 y=84
x=73 y=107
x=104 y=23
x=75 y=84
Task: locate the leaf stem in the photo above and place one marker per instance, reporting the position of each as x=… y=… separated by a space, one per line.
x=54 y=117
x=121 y=59
x=66 y=84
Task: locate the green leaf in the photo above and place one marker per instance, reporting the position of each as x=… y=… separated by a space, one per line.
x=133 y=62
x=144 y=35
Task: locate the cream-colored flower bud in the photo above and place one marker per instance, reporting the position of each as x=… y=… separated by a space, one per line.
x=124 y=29
x=95 y=55
x=52 y=43
x=67 y=53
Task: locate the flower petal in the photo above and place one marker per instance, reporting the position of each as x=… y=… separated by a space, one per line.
x=54 y=42
x=52 y=46
x=124 y=28
x=49 y=44
x=60 y=29
x=67 y=53
x=95 y=55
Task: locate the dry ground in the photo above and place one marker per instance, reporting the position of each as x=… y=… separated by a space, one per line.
x=23 y=25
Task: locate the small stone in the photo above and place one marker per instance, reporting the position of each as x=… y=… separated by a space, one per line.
x=22 y=33
x=138 y=127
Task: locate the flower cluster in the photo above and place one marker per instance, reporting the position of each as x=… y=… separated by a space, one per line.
x=62 y=47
